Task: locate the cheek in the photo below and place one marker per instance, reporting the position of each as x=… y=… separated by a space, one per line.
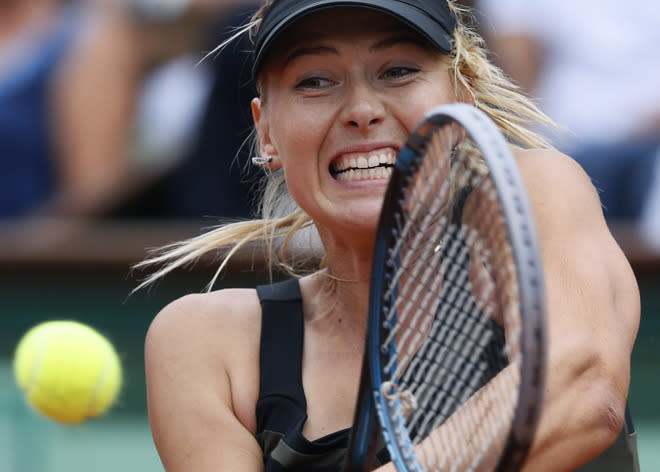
x=298 y=132
x=413 y=108
x=440 y=88
x=297 y=141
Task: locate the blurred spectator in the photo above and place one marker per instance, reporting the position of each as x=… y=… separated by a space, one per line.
x=105 y=112
x=68 y=72
x=34 y=36
x=593 y=67
x=194 y=121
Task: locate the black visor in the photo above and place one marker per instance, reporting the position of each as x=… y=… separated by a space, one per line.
x=431 y=18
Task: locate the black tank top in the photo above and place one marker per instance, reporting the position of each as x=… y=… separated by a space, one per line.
x=281 y=409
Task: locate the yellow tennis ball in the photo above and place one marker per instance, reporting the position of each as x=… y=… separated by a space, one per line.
x=67 y=370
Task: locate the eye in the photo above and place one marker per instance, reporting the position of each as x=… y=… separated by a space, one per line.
x=398 y=72
x=314 y=83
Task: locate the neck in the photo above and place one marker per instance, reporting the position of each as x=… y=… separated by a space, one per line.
x=342 y=288
x=336 y=307
x=348 y=259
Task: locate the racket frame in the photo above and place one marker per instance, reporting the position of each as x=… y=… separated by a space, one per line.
x=521 y=230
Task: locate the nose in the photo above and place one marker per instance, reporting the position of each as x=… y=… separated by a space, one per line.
x=363 y=109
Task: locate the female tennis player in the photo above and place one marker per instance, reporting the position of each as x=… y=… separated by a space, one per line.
x=236 y=384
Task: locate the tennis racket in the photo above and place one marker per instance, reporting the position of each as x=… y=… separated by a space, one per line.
x=455 y=355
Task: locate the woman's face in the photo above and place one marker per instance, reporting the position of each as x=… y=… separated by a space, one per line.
x=342 y=90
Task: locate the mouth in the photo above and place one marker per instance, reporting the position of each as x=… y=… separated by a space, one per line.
x=372 y=165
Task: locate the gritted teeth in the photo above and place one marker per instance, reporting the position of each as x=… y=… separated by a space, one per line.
x=373 y=160
x=371 y=173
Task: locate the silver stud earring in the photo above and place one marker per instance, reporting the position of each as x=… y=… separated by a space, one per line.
x=262 y=161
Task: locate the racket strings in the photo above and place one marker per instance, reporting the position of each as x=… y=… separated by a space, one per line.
x=434 y=199
x=418 y=227
x=418 y=323
x=429 y=271
x=442 y=373
x=437 y=225
x=448 y=335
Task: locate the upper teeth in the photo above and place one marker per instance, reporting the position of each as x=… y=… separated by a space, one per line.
x=365 y=161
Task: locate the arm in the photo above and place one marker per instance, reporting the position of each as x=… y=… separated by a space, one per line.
x=593 y=315
x=593 y=306
x=199 y=373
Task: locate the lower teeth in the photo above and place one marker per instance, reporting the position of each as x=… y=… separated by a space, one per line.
x=365 y=174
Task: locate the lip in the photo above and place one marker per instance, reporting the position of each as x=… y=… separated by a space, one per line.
x=365 y=148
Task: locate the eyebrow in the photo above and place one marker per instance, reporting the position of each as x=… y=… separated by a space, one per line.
x=388 y=42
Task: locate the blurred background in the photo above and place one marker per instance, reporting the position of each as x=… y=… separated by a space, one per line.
x=114 y=139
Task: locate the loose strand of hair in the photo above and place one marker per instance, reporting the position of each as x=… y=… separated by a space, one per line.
x=233 y=237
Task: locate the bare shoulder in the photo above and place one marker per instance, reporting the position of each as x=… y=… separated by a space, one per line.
x=557 y=185
x=576 y=243
x=201 y=315
x=566 y=207
x=210 y=341
x=206 y=323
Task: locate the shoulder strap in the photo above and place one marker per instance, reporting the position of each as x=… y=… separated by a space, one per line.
x=288 y=290
x=282 y=408
x=282 y=330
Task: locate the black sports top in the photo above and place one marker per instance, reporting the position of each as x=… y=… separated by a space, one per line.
x=282 y=408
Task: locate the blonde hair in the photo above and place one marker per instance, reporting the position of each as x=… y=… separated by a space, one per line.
x=281 y=220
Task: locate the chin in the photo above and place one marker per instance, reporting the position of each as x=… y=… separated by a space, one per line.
x=364 y=219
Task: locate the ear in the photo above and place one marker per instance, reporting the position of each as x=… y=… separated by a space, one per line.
x=266 y=146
